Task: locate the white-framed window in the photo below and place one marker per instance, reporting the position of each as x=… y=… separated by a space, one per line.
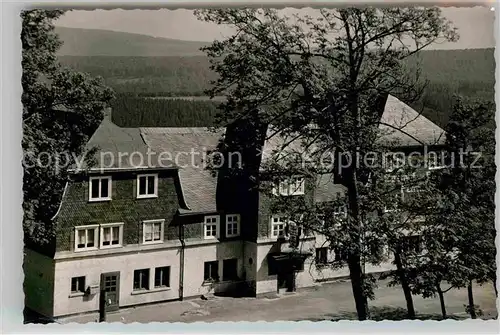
x=152 y=231
x=111 y=235
x=232 y=225
x=340 y=211
x=292 y=186
x=211 y=227
x=100 y=188
x=147 y=185
x=413 y=189
x=394 y=205
x=393 y=162
x=278 y=225
x=86 y=237
x=435 y=161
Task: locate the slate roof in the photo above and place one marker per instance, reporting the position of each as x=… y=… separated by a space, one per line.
x=286 y=146
x=326 y=190
x=184 y=148
x=198 y=184
x=122 y=148
x=413 y=129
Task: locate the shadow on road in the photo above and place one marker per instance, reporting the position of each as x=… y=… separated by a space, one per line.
x=390 y=313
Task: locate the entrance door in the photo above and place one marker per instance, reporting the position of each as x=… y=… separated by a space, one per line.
x=110 y=290
x=282 y=282
x=286 y=281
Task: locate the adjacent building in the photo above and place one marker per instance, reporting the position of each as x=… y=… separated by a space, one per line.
x=143 y=228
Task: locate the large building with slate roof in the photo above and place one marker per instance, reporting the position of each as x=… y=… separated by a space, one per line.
x=145 y=224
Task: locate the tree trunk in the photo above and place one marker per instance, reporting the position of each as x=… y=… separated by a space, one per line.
x=404 y=283
x=441 y=300
x=472 y=309
x=354 y=258
x=356 y=276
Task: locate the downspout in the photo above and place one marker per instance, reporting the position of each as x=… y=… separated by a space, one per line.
x=181 y=260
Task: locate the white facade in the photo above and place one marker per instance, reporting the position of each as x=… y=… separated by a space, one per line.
x=48 y=281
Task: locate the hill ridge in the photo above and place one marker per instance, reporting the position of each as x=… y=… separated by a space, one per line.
x=128 y=33
x=102 y=42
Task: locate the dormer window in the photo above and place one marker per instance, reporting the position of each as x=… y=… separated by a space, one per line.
x=153 y=231
x=100 y=188
x=392 y=162
x=211 y=227
x=86 y=237
x=111 y=235
x=232 y=225
x=394 y=205
x=340 y=211
x=292 y=186
x=435 y=164
x=147 y=186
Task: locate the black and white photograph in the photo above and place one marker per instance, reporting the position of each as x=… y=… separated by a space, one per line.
x=258 y=164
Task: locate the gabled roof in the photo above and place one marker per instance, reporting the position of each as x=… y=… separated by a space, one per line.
x=112 y=140
x=120 y=148
x=401 y=125
x=187 y=147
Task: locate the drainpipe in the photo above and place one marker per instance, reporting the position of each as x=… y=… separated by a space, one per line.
x=181 y=255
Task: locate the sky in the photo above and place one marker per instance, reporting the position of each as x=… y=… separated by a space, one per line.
x=475 y=25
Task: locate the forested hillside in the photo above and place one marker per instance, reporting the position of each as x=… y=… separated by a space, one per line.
x=133 y=111
x=470 y=73
x=96 y=42
x=149 y=76
x=466 y=72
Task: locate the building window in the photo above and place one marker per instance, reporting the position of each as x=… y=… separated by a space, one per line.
x=341 y=254
x=412 y=244
x=292 y=186
x=340 y=211
x=278 y=225
x=78 y=284
x=412 y=189
x=232 y=225
x=396 y=199
x=211 y=226
x=86 y=237
x=141 y=279
x=211 y=271
x=435 y=162
x=321 y=256
x=153 y=231
x=162 y=277
x=111 y=235
x=147 y=186
x=393 y=162
x=230 y=269
x=100 y=188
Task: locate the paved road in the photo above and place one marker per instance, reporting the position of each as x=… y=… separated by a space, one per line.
x=325 y=302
